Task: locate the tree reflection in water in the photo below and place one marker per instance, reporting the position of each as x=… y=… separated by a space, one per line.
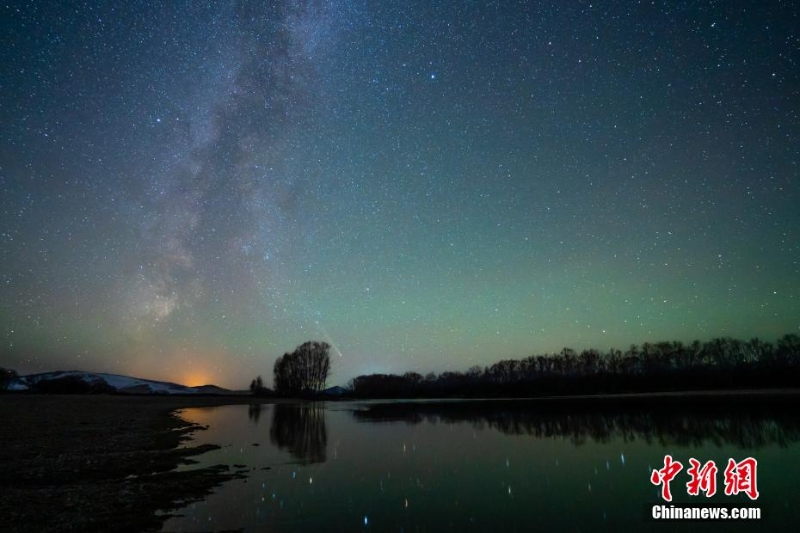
x=254 y=412
x=751 y=428
x=300 y=430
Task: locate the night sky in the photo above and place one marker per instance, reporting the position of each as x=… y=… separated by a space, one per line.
x=190 y=189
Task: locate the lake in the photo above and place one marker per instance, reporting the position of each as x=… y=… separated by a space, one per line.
x=480 y=466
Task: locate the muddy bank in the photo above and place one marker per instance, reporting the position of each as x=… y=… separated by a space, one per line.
x=98 y=463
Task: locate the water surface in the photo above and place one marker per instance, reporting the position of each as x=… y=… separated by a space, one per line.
x=477 y=466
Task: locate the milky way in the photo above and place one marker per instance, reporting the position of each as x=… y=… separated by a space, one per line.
x=189 y=190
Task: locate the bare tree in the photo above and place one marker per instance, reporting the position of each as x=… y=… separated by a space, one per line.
x=303 y=371
x=257 y=386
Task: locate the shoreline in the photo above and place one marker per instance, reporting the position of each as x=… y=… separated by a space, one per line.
x=99 y=463
x=657 y=397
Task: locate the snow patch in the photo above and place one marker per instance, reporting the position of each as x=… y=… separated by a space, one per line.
x=123 y=384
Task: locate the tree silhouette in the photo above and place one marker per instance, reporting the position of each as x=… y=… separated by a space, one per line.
x=257 y=386
x=721 y=363
x=303 y=371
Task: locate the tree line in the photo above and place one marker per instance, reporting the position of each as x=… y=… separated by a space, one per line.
x=722 y=363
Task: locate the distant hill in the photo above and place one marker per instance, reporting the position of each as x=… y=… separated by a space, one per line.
x=335 y=391
x=213 y=389
x=100 y=382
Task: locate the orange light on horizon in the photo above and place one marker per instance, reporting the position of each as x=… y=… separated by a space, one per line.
x=195 y=379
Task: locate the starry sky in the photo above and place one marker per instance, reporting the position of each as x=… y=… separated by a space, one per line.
x=190 y=189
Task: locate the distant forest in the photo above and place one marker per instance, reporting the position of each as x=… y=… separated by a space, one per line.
x=722 y=363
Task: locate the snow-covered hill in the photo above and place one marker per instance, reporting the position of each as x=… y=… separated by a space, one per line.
x=121 y=384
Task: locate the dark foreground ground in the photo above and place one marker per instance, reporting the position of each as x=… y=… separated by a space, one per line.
x=97 y=463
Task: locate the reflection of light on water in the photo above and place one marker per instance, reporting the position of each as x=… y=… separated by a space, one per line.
x=198 y=415
x=338 y=491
